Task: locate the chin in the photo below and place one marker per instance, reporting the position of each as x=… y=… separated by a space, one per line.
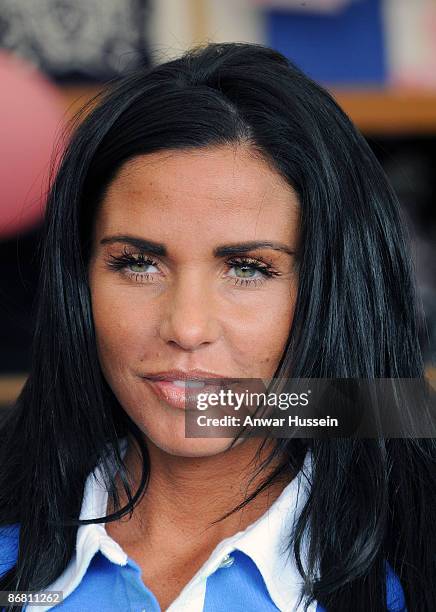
x=194 y=447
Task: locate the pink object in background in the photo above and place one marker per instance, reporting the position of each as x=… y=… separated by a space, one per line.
x=411 y=42
x=31 y=117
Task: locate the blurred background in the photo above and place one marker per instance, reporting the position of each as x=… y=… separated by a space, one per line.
x=377 y=57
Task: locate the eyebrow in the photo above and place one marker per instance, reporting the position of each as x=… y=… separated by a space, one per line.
x=243 y=247
x=159 y=249
x=156 y=248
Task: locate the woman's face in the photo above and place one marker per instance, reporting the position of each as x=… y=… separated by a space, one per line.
x=175 y=286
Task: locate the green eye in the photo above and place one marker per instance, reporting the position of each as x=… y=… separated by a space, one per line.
x=247 y=271
x=138 y=267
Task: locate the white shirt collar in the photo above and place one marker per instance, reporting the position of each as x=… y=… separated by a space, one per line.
x=263 y=541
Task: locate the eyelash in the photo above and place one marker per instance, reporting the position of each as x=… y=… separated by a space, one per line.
x=122 y=262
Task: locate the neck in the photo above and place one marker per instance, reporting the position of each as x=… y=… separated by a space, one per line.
x=186 y=494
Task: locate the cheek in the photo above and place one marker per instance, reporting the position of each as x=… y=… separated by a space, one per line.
x=121 y=331
x=266 y=329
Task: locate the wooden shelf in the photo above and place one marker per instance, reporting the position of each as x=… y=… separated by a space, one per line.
x=390 y=111
x=10 y=387
x=75 y=96
x=374 y=111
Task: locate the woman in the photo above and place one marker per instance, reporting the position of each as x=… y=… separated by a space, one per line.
x=215 y=216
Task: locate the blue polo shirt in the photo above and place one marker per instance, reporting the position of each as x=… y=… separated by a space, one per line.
x=246 y=571
x=108 y=587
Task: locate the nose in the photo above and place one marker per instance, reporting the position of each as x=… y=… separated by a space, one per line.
x=189 y=312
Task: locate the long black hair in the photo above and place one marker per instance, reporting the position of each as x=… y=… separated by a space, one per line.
x=356 y=316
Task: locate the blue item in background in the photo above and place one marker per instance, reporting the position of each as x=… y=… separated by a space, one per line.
x=347 y=47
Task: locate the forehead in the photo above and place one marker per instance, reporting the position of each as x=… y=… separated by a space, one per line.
x=214 y=187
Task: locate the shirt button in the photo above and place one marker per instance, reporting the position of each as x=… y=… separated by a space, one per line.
x=226 y=562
